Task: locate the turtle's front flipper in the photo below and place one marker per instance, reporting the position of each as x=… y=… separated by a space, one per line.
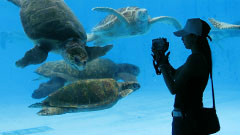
x=223 y=25
x=91 y=37
x=36 y=55
x=166 y=20
x=36 y=105
x=48 y=111
x=114 y=12
x=16 y=2
x=97 y=51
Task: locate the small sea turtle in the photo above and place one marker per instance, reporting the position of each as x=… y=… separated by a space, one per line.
x=53 y=27
x=125 y=22
x=59 y=73
x=224 y=30
x=85 y=95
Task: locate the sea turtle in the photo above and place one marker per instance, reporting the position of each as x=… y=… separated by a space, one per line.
x=53 y=27
x=59 y=73
x=125 y=22
x=85 y=95
x=224 y=30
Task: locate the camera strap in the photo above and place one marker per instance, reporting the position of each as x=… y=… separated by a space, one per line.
x=213 y=96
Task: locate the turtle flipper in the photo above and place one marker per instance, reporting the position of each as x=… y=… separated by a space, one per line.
x=36 y=105
x=48 y=111
x=16 y=2
x=126 y=77
x=223 y=25
x=97 y=51
x=114 y=12
x=217 y=35
x=167 y=20
x=91 y=37
x=36 y=55
x=49 y=87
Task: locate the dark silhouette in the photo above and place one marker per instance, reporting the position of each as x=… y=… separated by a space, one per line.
x=188 y=82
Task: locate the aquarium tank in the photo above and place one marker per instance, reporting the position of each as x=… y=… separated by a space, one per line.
x=91 y=70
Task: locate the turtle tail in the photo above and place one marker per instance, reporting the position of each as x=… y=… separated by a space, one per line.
x=16 y=2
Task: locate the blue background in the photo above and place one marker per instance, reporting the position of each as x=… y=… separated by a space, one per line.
x=148 y=110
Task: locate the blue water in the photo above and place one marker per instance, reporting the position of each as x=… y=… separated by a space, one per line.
x=146 y=111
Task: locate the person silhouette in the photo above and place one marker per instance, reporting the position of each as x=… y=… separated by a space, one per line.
x=189 y=81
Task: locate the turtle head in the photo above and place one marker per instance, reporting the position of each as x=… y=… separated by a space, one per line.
x=75 y=54
x=130 y=85
x=127 y=88
x=142 y=14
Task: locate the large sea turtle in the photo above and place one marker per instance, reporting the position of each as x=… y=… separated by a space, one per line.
x=85 y=95
x=224 y=30
x=59 y=73
x=53 y=27
x=125 y=22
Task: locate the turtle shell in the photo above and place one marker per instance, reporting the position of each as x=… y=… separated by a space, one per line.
x=98 y=68
x=58 y=69
x=50 y=19
x=84 y=94
x=111 y=20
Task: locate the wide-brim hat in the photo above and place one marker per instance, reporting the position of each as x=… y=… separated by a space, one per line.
x=194 y=26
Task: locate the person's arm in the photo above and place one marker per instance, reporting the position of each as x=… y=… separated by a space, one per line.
x=178 y=81
x=168 y=74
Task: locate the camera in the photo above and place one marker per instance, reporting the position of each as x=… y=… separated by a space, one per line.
x=159 y=48
x=160 y=45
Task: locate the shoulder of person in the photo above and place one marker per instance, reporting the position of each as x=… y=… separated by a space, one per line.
x=196 y=58
x=196 y=61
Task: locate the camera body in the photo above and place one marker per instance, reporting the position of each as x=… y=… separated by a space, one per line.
x=159 y=48
x=160 y=44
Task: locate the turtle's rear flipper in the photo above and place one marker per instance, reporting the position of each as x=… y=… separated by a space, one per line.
x=49 y=87
x=36 y=55
x=97 y=51
x=16 y=2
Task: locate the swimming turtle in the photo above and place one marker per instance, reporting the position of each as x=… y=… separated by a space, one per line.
x=59 y=73
x=224 y=30
x=53 y=27
x=85 y=95
x=125 y=22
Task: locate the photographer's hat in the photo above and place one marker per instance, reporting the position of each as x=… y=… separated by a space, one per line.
x=194 y=26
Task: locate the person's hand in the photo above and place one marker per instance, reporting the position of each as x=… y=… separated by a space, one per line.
x=156 y=65
x=164 y=59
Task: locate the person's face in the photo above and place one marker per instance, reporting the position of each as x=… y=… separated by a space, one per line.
x=189 y=40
